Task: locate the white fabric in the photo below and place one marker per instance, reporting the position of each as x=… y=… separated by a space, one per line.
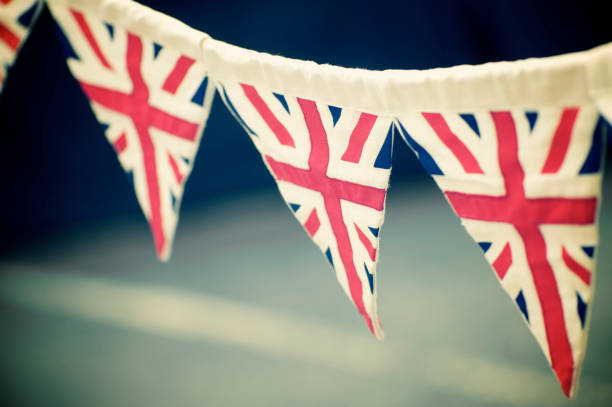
x=570 y=79
x=508 y=90
x=156 y=137
x=143 y=21
x=332 y=167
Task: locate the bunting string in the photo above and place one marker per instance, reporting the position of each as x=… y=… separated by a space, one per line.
x=515 y=147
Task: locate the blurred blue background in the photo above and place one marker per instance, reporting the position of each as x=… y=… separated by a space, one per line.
x=89 y=317
x=62 y=170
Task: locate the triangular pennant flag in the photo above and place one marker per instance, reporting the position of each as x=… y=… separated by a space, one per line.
x=153 y=101
x=523 y=195
x=326 y=170
x=16 y=19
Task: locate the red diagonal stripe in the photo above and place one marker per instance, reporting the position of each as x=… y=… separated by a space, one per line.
x=336 y=220
x=135 y=105
x=560 y=141
x=366 y=243
x=312 y=223
x=526 y=215
x=175 y=169
x=450 y=139
x=173 y=125
x=562 y=360
x=561 y=357
x=358 y=137
x=178 y=73
x=345 y=190
x=155 y=117
x=319 y=147
x=503 y=262
x=582 y=272
x=318 y=161
x=332 y=190
x=9 y=37
x=268 y=117
x=140 y=97
x=82 y=23
x=575 y=211
x=120 y=143
x=108 y=98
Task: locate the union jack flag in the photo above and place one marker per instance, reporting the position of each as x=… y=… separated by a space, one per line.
x=332 y=167
x=526 y=185
x=154 y=103
x=16 y=18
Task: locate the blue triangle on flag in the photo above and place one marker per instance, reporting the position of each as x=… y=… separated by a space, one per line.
x=426 y=160
x=520 y=301
x=104 y=127
x=593 y=161
x=25 y=19
x=374 y=231
x=329 y=257
x=282 y=100
x=173 y=201
x=185 y=160
x=335 y=113
x=65 y=44
x=199 y=95
x=130 y=176
x=110 y=29
x=582 y=309
x=294 y=207
x=470 y=119
x=484 y=246
x=384 y=155
x=156 y=49
x=370 y=278
x=589 y=250
x=532 y=117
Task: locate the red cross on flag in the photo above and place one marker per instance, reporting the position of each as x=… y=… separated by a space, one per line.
x=151 y=97
x=527 y=186
x=332 y=167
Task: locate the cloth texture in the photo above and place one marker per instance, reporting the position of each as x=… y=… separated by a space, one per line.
x=527 y=187
x=516 y=147
x=332 y=167
x=153 y=102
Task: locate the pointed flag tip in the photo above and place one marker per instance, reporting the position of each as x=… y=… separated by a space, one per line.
x=565 y=375
x=163 y=257
x=163 y=253
x=375 y=326
x=162 y=163
x=378 y=333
